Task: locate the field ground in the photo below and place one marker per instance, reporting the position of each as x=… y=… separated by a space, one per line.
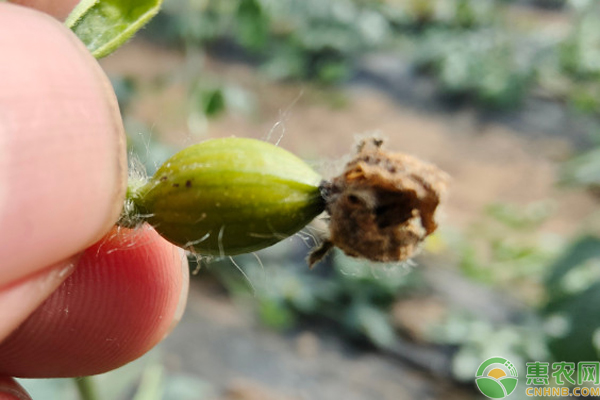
x=489 y=161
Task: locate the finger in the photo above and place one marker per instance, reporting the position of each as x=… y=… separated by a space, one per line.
x=11 y=390
x=62 y=147
x=57 y=8
x=19 y=299
x=125 y=295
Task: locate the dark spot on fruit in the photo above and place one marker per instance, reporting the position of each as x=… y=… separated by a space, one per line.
x=176 y=185
x=188 y=183
x=163 y=178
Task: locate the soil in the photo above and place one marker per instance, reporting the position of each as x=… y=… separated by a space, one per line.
x=221 y=344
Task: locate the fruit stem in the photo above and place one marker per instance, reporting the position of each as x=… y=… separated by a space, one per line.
x=86 y=388
x=131 y=215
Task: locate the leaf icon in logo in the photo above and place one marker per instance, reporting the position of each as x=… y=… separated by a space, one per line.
x=509 y=384
x=491 y=388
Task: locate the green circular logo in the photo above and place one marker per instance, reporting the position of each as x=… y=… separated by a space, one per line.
x=496 y=378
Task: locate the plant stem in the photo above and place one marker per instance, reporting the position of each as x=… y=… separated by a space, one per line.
x=130 y=215
x=86 y=388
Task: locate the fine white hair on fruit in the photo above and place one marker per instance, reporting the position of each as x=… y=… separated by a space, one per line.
x=244 y=274
x=137 y=170
x=279 y=125
x=262 y=268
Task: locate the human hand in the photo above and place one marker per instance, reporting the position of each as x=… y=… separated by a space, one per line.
x=69 y=307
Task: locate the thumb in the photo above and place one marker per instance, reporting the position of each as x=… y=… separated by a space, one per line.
x=125 y=295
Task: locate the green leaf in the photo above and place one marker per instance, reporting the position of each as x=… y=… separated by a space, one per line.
x=252 y=24
x=104 y=25
x=213 y=102
x=275 y=314
x=373 y=323
x=581 y=252
x=573 y=288
x=582 y=170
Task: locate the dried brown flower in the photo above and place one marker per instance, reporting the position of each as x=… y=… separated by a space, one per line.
x=382 y=206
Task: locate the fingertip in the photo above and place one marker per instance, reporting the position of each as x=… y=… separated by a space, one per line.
x=62 y=145
x=124 y=297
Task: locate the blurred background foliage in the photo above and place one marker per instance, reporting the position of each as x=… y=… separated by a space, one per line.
x=501 y=284
x=467 y=46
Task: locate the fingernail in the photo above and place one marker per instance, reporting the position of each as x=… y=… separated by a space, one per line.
x=183 y=295
x=18 y=300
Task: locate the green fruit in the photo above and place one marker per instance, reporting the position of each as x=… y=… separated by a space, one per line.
x=230 y=196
